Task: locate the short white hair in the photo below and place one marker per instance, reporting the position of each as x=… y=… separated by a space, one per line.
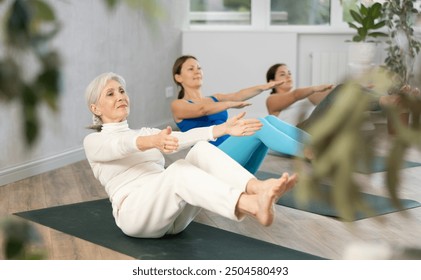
x=93 y=92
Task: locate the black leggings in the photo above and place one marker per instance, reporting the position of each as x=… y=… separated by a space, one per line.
x=327 y=102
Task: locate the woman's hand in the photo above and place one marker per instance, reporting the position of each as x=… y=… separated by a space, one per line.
x=322 y=88
x=238 y=104
x=162 y=141
x=165 y=142
x=271 y=85
x=237 y=126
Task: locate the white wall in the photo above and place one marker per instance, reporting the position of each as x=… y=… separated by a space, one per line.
x=95 y=40
x=232 y=60
x=310 y=43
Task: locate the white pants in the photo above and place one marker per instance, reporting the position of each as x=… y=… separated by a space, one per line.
x=165 y=203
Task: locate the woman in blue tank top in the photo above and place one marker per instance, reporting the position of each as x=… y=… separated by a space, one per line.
x=193 y=109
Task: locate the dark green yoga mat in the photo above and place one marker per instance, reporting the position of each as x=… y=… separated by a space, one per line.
x=379 y=164
x=93 y=221
x=379 y=204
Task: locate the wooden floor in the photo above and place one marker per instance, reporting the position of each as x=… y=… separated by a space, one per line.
x=311 y=233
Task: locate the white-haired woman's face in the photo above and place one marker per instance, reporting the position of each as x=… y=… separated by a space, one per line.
x=113 y=103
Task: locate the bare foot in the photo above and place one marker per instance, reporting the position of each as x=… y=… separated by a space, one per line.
x=392 y=101
x=265 y=194
x=256 y=186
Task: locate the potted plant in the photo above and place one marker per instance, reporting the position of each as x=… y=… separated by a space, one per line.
x=367 y=19
x=403 y=46
x=402 y=50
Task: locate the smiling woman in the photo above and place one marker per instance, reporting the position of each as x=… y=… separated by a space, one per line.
x=192 y=109
x=112 y=105
x=107 y=100
x=285 y=95
x=149 y=200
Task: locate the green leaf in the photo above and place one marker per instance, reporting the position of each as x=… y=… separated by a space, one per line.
x=30 y=116
x=376 y=10
x=352 y=25
x=16 y=238
x=378 y=25
x=409 y=5
x=48 y=85
x=111 y=3
x=42 y=10
x=14 y=249
x=17 y=25
x=363 y=10
x=377 y=34
x=10 y=81
x=356 y=16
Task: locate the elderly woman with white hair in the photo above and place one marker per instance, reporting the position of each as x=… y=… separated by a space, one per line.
x=150 y=201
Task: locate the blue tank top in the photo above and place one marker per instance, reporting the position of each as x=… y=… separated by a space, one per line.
x=205 y=121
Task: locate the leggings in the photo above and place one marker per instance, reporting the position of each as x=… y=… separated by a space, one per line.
x=275 y=134
x=279 y=136
x=327 y=103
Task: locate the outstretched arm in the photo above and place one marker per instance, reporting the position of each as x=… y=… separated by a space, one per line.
x=163 y=141
x=247 y=93
x=275 y=103
x=235 y=126
x=181 y=109
x=319 y=93
x=166 y=140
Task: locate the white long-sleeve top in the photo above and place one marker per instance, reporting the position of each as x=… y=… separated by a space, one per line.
x=117 y=162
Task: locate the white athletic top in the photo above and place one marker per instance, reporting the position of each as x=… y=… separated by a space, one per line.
x=118 y=164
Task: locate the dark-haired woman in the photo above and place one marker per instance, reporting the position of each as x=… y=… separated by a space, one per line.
x=284 y=95
x=193 y=109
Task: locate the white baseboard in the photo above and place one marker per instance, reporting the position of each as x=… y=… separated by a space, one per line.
x=36 y=167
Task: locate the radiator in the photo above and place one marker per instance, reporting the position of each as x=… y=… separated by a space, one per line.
x=328 y=67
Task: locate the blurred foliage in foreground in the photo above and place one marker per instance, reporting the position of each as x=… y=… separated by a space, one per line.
x=340 y=145
x=30 y=67
x=20 y=241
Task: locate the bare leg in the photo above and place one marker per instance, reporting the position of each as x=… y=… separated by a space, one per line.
x=260 y=197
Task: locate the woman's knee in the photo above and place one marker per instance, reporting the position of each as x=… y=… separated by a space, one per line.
x=201 y=151
x=202 y=145
x=271 y=118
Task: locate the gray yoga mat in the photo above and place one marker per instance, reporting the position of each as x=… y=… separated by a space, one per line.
x=379 y=204
x=93 y=221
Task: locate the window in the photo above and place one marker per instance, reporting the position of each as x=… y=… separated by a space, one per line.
x=260 y=14
x=303 y=12
x=292 y=15
x=220 y=12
